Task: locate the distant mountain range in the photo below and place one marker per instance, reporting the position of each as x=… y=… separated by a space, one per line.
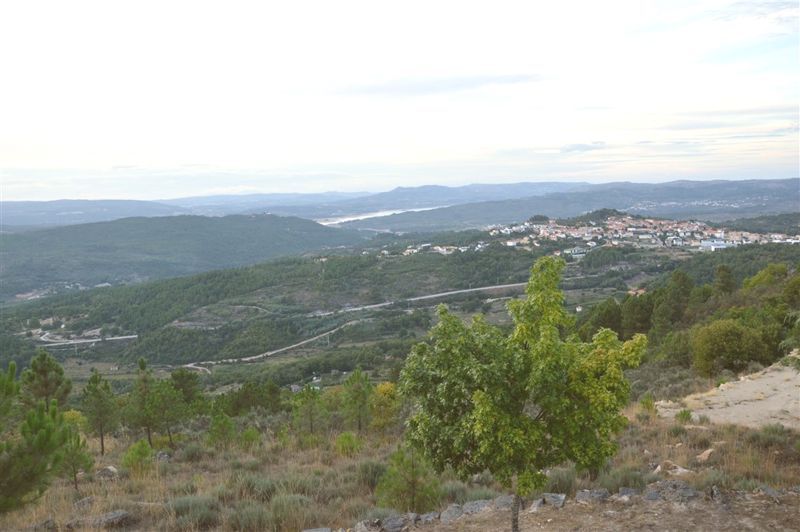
x=706 y=200
x=136 y=249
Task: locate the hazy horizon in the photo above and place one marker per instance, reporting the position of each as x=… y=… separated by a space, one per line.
x=152 y=100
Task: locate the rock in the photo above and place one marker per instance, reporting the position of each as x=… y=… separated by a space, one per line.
x=504 y=502
x=429 y=517
x=115 y=519
x=107 y=473
x=704 y=456
x=589 y=496
x=671 y=468
x=474 y=507
x=628 y=492
x=652 y=495
x=324 y=529
x=717 y=496
x=770 y=492
x=452 y=513
x=162 y=456
x=367 y=526
x=672 y=490
x=86 y=502
x=538 y=503
x=47 y=524
x=555 y=499
x=395 y=523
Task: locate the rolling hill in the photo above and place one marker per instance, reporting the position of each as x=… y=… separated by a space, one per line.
x=135 y=249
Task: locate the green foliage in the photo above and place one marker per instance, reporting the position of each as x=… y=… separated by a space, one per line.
x=100 y=407
x=561 y=480
x=76 y=457
x=724 y=281
x=684 y=416
x=249 y=395
x=485 y=401
x=138 y=458
x=409 y=483
x=347 y=444
x=290 y=511
x=139 y=413
x=196 y=512
x=726 y=344
x=222 y=431
x=307 y=407
x=250 y=438
x=624 y=477
x=30 y=450
x=676 y=348
x=357 y=393
x=647 y=403
x=636 y=315
x=369 y=473
x=250 y=517
x=384 y=406
x=251 y=486
x=165 y=407
x=607 y=314
x=187 y=382
x=44 y=381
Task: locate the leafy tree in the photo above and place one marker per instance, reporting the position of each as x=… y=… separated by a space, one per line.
x=607 y=314
x=45 y=381
x=100 y=407
x=166 y=407
x=726 y=344
x=724 y=282
x=636 y=315
x=308 y=408
x=30 y=450
x=516 y=405
x=357 y=392
x=384 y=406
x=409 y=484
x=76 y=457
x=188 y=383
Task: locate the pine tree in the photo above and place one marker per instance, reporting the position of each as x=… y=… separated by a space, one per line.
x=357 y=393
x=308 y=408
x=409 y=483
x=139 y=411
x=166 y=407
x=30 y=450
x=100 y=407
x=76 y=457
x=45 y=381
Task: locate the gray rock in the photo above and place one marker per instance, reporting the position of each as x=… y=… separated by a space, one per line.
x=538 y=503
x=452 y=513
x=474 y=507
x=555 y=499
x=770 y=492
x=107 y=473
x=628 y=492
x=395 y=523
x=652 y=495
x=115 y=519
x=367 y=526
x=47 y=524
x=672 y=490
x=429 y=517
x=504 y=502
x=589 y=496
x=717 y=496
x=162 y=456
x=86 y=502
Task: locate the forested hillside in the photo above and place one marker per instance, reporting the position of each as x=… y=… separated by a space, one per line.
x=138 y=249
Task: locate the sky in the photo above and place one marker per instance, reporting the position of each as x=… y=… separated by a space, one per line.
x=148 y=100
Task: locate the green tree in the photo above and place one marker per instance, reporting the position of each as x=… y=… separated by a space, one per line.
x=45 y=381
x=726 y=344
x=357 y=393
x=409 y=484
x=140 y=413
x=384 y=406
x=724 y=282
x=100 y=407
x=188 y=383
x=138 y=457
x=30 y=449
x=307 y=406
x=516 y=405
x=636 y=315
x=607 y=314
x=222 y=430
x=76 y=457
x=166 y=407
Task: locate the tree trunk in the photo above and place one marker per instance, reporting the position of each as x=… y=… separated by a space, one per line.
x=169 y=434
x=102 y=443
x=149 y=437
x=75 y=480
x=515 y=513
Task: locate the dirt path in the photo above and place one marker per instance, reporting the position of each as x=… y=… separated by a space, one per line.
x=763 y=398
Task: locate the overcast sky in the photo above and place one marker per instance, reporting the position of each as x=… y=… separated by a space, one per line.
x=160 y=99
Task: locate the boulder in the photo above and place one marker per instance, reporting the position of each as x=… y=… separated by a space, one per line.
x=162 y=456
x=770 y=492
x=47 y=524
x=555 y=499
x=367 y=526
x=704 y=456
x=590 y=496
x=452 y=513
x=86 y=502
x=395 y=523
x=671 y=490
x=504 y=502
x=474 y=507
x=671 y=468
x=429 y=517
x=538 y=503
x=628 y=492
x=107 y=473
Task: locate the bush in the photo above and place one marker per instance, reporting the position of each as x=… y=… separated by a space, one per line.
x=138 y=457
x=347 y=444
x=222 y=431
x=480 y=493
x=624 y=477
x=561 y=480
x=250 y=517
x=250 y=486
x=291 y=511
x=250 y=438
x=369 y=473
x=409 y=483
x=774 y=436
x=648 y=403
x=454 y=491
x=192 y=452
x=196 y=512
x=684 y=416
x=726 y=344
x=677 y=431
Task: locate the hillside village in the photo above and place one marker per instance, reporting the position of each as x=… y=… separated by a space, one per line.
x=614 y=231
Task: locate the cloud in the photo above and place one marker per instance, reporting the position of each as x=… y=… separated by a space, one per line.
x=427 y=86
x=581 y=148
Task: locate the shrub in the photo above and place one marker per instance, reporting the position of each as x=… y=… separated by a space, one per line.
x=250 y=438
x=676 y=431
x=291 y=511
x=771 y=437
x=726 y=344
x=138 y=457
x=347 y=444
x=643 y=417
x=254 y=487
x=221 y=432
x=704 y=419
x=192 y=452
x=479 y=493
x=250 y=517
x=196 y=512
x=369 y=473
x=454 y=491
x=624 y=477
x=648 y=403
x=684 y=416
x=561 y=480
x=409 y=483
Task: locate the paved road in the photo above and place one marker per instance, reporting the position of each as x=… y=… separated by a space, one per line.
x=56 y=343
